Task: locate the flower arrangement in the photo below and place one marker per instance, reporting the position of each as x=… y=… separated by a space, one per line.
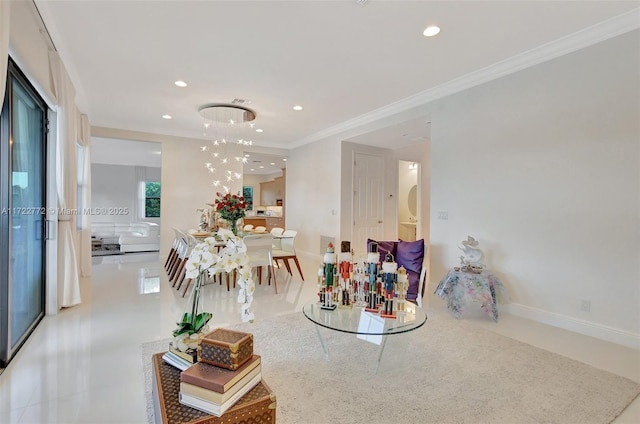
x=231 y=207
x=205 y=259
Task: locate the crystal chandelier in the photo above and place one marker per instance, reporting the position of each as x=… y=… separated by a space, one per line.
x=227 y=126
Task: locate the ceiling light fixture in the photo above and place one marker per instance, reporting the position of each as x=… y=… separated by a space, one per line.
x=259 y=130
x=180 y=83
x=431 y=30
x=228 y=127
x=297 y=107
x=167 y=116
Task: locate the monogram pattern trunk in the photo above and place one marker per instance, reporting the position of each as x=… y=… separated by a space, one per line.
x=226 y=348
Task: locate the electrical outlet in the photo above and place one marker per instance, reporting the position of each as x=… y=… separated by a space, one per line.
x=586 y=306
x=444 y=215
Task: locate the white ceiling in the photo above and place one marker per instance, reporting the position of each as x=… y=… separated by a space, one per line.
x=338 y=59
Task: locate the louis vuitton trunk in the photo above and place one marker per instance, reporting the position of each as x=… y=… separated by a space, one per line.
x=226 y=348
x=258 y=406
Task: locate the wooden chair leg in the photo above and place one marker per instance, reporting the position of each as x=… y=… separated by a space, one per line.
x=272 y=271
x=295 y=259
x=286 y=264
x=174 y=261
x=169 y=257
x=180 y=278
x=177 y=271
x=186 y=287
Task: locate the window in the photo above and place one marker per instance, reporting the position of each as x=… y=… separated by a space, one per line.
x=247 y=193
x=152 y=199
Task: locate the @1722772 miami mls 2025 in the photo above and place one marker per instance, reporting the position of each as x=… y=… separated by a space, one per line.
x=64 y=211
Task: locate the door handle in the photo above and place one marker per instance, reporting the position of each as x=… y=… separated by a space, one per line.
x=49 y=230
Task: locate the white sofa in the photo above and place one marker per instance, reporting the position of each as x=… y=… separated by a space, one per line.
x=134 y=237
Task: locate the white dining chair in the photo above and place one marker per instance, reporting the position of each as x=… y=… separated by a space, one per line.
x=259 y=251
x=260 y=229
x=276 y=232
x=247 y=227
x=288 y=251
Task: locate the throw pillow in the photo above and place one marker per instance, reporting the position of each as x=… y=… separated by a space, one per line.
x=410 y=254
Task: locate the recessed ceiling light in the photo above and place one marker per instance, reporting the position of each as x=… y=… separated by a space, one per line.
x=261 y=167
x=297 y=107
x=180 y=83
x=272 y=163
x=431 y=31
x=259 y=130
x=247 y=155
x=167 y=116
x=252 y=169
x=284 y=159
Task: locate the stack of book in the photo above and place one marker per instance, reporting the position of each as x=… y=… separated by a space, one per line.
x=213 y=389
x=226 y=369
x=179 y=359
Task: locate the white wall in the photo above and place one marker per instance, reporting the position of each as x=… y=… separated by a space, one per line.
x=115 y=186
x=313 y=193
x=543 y=167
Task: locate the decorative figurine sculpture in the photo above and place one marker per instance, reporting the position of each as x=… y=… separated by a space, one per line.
x=345 y=269
x=329 y=275
x=359 y=284
x=389 y=279
x=472 y=258
x=402 y=288
x=372 y=269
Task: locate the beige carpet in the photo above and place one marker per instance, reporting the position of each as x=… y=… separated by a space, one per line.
x=448 y=371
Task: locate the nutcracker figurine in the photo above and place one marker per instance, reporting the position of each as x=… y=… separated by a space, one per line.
x=372 y=269
x=402 y=288
x=345 y=269
x=329 y=276
x=389 y=280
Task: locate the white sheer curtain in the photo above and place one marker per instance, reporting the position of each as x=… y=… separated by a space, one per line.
x=84 y=179
x=68 y=278
x=138 y=206
x=5 y=7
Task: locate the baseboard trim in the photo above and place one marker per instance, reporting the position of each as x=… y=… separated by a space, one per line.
x=603 y=332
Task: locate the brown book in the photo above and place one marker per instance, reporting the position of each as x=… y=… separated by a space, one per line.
x=216 y=378
x=251 y=379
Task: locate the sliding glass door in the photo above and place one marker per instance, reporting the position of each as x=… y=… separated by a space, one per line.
x=23 y=206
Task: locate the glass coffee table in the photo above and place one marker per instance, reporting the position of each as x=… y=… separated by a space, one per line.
x=368 y=326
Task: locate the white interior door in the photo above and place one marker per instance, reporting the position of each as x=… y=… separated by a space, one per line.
x=368 y=200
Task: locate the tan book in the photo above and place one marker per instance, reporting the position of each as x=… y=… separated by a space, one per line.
x=218 y=410
x=216 y=378
x=220 y=398
x=189 y=355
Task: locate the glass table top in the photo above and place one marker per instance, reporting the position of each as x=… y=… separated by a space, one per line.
x=358 y=321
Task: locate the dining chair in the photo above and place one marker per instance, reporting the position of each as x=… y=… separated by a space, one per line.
x=259 y=251
x=288 y=251
x=276 y=232
x=247 y=227
x=191 y=242
x=173 y=252
x=260 y=229
x=181 y=256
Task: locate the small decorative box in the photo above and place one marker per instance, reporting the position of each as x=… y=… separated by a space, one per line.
x=226 y=348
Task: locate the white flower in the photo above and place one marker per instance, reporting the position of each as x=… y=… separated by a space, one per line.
x=205 y=257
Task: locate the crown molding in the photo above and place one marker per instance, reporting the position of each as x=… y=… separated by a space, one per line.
x=586 y=37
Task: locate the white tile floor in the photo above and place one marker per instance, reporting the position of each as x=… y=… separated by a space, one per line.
x=84 y=365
